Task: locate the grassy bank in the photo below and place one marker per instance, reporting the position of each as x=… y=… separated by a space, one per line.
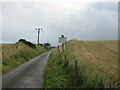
x=86 y=74
x=61 y=75
x=16 y=54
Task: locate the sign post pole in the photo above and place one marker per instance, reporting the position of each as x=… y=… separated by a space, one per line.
x=62 y=40
x=62 y=47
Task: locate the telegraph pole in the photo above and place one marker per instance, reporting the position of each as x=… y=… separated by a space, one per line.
x=38 y=33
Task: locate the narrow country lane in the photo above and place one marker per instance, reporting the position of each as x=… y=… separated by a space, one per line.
x=27 y=75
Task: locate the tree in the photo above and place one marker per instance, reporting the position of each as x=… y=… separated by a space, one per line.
x=47 y=44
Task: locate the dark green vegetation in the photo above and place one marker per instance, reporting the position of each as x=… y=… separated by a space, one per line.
x=27 y=43
x=77 y=71
x=15 y=54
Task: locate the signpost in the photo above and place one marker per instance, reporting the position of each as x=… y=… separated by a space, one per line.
x=62 y=40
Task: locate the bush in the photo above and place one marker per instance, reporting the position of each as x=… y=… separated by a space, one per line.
x=27 y=43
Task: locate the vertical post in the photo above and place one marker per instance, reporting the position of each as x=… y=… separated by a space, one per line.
x=65 y=58
x=62 y=40
x=76 y=66
x=62 y=47
x=38 y=36
x=38 y=33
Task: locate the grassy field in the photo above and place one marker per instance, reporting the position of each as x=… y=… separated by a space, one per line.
x=15 y=54
x=103 y=55
x=97 y=61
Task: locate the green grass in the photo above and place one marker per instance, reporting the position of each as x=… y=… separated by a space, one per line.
x=55 y=76
x=18 y=56
x=59 y=74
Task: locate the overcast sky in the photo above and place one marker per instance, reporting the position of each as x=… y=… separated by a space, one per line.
x=82 y=21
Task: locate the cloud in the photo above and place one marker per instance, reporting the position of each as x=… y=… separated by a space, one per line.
x=59 y=0
x=91 y=24
x=83 y=21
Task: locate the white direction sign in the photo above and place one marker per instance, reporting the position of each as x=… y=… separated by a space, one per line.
x=62 y=39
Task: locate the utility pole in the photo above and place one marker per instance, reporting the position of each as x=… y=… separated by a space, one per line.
x=38 y=33
x=62 y=36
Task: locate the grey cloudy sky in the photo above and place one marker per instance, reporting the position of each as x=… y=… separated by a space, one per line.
x=82 y=21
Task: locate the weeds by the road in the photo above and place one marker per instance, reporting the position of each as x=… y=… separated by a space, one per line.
x=60 y=75
x=18 y=56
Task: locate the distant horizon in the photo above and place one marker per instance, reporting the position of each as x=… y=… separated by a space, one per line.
x=58 y=43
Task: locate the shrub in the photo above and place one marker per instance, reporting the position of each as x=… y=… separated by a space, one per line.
x=27 y=43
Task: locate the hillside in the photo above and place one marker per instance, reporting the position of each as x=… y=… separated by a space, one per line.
x=15 y=54
x=97 y=61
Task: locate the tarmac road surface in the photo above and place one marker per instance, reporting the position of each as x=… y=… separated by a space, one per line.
x=27 y=75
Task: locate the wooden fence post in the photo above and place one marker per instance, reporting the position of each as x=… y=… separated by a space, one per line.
x=62 y=47
x=65 y=58
x=76 y=67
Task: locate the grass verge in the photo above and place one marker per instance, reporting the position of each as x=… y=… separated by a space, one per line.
x=60 y=75
x=18 y=56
